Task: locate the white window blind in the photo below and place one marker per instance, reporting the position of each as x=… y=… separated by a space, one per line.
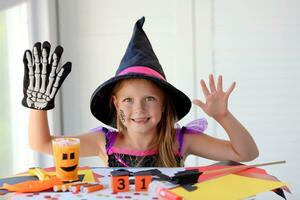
x=14 y=37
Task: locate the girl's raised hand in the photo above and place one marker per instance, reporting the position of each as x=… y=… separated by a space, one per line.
x=216 y=104
x=43 y=76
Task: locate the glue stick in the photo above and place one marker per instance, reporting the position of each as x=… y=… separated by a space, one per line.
x=157 y=187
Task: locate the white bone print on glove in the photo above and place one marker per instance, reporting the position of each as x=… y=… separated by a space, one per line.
x=42 y=77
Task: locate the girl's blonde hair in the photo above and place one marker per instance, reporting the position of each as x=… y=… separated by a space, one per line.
x=166 y=138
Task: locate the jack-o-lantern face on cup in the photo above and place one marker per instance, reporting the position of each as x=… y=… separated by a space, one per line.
x=66 y=154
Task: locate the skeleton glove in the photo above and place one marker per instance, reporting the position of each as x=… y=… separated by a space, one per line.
x=42 y=76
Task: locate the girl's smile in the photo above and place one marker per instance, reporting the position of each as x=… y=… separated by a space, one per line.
x=141 y=120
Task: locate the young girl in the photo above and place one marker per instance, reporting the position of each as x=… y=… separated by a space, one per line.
x=142 y=107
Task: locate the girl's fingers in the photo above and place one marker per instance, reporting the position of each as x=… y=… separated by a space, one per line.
x=198 y=103
x=220 y=84
x=212 y=83
x=230 y=89
x=204 y=88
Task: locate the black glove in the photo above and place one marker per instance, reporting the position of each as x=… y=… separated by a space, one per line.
x=42 y=77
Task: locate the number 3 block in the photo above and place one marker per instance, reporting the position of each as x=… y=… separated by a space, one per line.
x=120 y=183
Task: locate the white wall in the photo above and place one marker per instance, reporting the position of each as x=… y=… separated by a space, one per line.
x=256 y=43
x=252 y=42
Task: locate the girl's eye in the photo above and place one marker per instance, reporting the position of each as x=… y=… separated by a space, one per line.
x=150 y=99
x=127 y=100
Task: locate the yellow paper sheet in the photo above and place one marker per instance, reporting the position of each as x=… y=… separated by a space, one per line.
x=230 y=187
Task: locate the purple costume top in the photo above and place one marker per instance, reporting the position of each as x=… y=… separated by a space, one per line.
x=118 y=157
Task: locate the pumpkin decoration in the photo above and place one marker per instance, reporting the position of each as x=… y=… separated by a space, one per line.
x=66 y=155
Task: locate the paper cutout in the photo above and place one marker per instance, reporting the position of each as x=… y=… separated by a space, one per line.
x=33 y=186
x=229 y=187
x=14 y=180
x=40 y=173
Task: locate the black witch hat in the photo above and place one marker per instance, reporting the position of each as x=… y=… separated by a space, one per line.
x=139 y=61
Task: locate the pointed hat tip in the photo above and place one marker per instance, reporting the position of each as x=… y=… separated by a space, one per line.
x=140 y=22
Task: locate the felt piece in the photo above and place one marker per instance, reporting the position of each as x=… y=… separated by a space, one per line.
x=186 y=177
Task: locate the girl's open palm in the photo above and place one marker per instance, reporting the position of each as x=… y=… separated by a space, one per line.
x=216 y=104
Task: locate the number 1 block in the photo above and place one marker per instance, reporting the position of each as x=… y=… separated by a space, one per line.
x=142 y=182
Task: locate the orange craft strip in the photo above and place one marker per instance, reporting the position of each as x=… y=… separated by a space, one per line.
x=33 y=186
x=217 y=171
x=239 y=168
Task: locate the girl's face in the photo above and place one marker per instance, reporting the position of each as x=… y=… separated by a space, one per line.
x=139 y=104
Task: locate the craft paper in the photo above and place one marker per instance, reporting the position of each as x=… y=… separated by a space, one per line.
x=229 y=187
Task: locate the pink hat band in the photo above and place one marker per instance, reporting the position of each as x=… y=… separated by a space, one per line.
x=141 y=70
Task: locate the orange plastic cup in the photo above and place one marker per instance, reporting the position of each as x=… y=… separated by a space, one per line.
x=66 y=155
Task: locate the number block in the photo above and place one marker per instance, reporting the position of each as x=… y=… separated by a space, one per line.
x=142 y=182
x=120 y=181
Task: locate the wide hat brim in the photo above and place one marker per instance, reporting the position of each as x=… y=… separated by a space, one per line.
x=102 y=109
